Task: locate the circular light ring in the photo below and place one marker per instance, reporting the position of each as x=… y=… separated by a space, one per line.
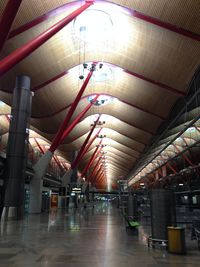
x=102 y=99
x=93 y=26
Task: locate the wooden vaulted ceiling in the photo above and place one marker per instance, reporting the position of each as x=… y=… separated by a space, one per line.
x=152 y=53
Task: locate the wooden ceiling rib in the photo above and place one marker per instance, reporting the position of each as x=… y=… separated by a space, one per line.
x=152 y=54
x=184 y=14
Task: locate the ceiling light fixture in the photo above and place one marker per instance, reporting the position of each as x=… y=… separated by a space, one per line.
x=93 y=27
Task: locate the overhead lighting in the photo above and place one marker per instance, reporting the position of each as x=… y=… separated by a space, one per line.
x=93 y=26
x=191 y=130
x=102 y=73
x=102 y=100
x=2 y=104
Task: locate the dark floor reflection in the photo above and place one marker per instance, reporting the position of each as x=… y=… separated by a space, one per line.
x=84 y=237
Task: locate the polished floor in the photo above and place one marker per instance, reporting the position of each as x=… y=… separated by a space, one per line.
x=88 y=237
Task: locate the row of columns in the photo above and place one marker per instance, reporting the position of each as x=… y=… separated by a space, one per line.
x=162 y=210
x=19 y=125
x=17 y=150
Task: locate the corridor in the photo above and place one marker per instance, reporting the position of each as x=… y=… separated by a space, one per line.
x=88 y=237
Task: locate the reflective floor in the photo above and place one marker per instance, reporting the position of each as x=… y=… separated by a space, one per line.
x=88 y=237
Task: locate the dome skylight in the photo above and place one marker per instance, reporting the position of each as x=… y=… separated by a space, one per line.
x=93 y=26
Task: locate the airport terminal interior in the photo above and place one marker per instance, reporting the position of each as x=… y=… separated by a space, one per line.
x=99 y=133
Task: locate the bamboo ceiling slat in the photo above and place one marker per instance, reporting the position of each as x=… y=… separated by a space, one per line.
x=182 y=13
x=134 y=45
x=175 y=53
x=2 y=6
x=30 y=10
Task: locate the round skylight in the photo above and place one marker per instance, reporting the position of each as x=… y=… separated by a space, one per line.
x=93 y=26
x=102 y=74
x=102 y=100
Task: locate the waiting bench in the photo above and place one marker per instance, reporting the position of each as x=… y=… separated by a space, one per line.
x=132 y=224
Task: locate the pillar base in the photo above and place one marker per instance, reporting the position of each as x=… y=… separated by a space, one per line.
x=35 y=204
x=12 y=213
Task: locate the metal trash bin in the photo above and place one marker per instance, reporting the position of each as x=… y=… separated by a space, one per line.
x=176 y=240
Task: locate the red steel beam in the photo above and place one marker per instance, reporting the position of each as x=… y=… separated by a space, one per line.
x=72 y=125
x=76 y=120
x=19 y=54
x=94 y=169
x=42 y=151
x=93 y=157
x=98 y=178
x=149 y=80
x=53 y=79
x=7 y=19
x=169 y=165
x=75 y=162
x=98 y=174
x=86 y=96
x=133 y=13
x=183 y=156
x=197 y=128
x=89 y=144
x=27 y=26
x=102 y=180
x=63 y=164
x=165 y=25
x=40 y=147
x=73 y=106
x=98 y=171
x=172 y=90
x=58 y=163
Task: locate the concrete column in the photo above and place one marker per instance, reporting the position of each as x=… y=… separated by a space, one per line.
x=73 y=182
x=36 y=182
x=17 y=149
x=74 y=172
x=132 y=206
x=162 y=212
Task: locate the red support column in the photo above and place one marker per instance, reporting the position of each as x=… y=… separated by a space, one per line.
x=54 y=145
x=183 y=156
x=93 y=157
x=63 y=126
x=95 y=168
x=99 y=176
x=58 y=163
x=7 y=19
x=19 y=54
x=99 y=169
x=102 y=178
x=63 y=163
x=169 y=165
x=197 y=128
x=42 y=151
x=40 y=148
x=98 y=173
x=89 y=144
x=75 y=162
